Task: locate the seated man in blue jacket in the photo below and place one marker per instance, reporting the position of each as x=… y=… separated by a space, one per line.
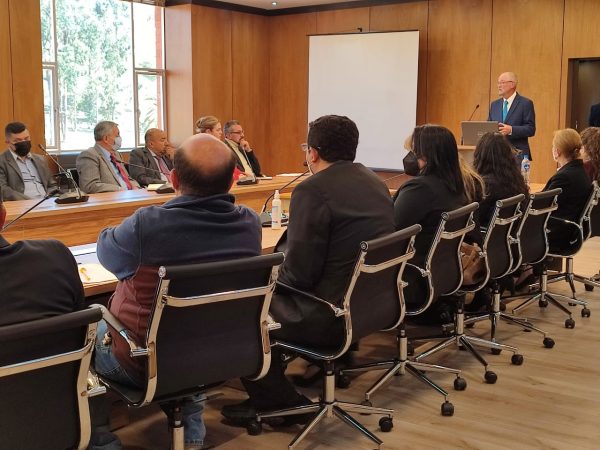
x=201 y=224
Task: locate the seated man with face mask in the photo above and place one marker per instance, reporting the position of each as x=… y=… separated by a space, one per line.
x=23 y=175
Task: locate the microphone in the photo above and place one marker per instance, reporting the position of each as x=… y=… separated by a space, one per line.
x=265 y=217
x=166 y=188
x=400 y=173
x=473 y=113
x=470 y=117
x=49 y=194
x=67 y=197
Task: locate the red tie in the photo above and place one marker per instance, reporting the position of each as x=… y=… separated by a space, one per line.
x=122 y=171
x=163 y=168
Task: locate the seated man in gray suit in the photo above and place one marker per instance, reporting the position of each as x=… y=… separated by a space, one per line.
x=151 y=164
x=100 y=167
x=23 y=175
x=514 y=113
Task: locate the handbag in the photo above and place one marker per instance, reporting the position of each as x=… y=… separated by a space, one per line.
x=472 y=263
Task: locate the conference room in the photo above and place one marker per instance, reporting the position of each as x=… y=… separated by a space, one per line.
x=390 y=66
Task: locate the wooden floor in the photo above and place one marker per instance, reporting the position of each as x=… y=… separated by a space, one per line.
x=552 y=401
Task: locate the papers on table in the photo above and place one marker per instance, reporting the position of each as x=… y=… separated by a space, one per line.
x=92 y=274
x=290 y=174
x=153 y=187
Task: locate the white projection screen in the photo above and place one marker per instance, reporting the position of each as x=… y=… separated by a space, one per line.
x=372 y=79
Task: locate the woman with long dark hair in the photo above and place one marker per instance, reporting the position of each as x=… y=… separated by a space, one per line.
x=590 y=138
x=494 y=160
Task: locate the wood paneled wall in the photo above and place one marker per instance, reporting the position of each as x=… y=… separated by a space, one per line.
x=21 y=90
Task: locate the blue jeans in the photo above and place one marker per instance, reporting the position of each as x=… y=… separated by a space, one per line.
x=107 y=365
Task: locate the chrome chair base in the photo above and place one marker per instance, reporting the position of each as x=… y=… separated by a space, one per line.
x=401 y=366
x=570 y=278
x=328 y=407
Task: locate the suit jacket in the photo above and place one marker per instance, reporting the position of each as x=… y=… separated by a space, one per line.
x=11 y=180
x=252 y=159
x=576 y=187
x=594 y=120
x=95 y=173
x=521 y=116
x=39 y=279
x=143 y=157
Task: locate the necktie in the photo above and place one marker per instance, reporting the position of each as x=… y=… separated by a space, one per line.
x=163 y=168
x=121 y=170
x=504 y=110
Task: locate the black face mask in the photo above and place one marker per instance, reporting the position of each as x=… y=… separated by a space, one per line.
x=411 y=164
x=22 y=148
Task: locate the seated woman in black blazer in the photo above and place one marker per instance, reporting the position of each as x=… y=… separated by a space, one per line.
x=494 y=160
x=572 y=178
x=438 y=186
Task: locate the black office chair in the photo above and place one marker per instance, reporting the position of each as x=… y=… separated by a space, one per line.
x=373 y=301
x=498 y=242
x=43 y=381
x=530 y=246
x=580 y=231
x=440 y=275
x=209 y=324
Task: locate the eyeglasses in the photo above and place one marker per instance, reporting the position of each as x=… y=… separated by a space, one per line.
x=304 y=147
x=236 y=132
x=504 y=82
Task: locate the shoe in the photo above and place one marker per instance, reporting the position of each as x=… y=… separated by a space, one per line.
x=523 y=286
x=306 y=381
x=240 y=412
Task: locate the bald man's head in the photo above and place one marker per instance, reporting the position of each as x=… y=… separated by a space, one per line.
x=203 y=166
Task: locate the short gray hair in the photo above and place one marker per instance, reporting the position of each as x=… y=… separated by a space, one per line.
x=228 y=125
x=104 y=128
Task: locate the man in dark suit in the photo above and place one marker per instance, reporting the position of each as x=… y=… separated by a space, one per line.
x=515 y=114
x=151 y=164
x=594 y=120
x=23 y=175
x=246 y=160
x=340 y=205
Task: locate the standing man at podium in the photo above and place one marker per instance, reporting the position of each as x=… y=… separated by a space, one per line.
x=514 y=113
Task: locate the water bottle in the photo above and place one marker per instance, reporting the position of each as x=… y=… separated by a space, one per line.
x=276 y=211
x=525 y=169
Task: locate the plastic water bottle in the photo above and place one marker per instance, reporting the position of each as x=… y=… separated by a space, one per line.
x=525 y=169
x=276 y=211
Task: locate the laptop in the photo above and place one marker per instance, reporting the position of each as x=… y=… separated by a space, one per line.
x=473 y=130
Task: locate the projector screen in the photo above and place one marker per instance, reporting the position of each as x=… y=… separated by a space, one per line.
x=372 y=79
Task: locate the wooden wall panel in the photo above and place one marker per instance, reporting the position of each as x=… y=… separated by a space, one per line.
x=343 y=20
x=6 y=94
x=404 y=17
x=211 y=62
x=288 y=75
x=458 y=66
x=178 y=56
x=250 y=91
x=530 y=43
x=580 y=41
x=26 y=59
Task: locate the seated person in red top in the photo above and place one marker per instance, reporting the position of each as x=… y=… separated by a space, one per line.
x=201 y=224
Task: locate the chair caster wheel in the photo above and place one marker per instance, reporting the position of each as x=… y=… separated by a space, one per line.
x=495 y=351
x=460 y=384
x=516 y=359
x=588 y=287
x=447 y=409
x=386 y=424
x=585 y=312
x=543 y=303
x=548 y=342
x=502 y=307
x=343 y=381
x=254 y=428
x=490 y=377
x=569 y=323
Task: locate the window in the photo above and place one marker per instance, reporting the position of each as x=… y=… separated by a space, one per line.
x=102 y=60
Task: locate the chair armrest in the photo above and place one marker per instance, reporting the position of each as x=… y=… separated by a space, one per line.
x=563 y=221
x=271 y=324
x=94 y=387
x=134 y=348
x=337 y=311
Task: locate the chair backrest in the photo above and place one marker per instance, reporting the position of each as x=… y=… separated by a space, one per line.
x=590 y=211
x=209 y=324
x=497 y=240
x=374 y=299
x=43 y=381
x=530 y=243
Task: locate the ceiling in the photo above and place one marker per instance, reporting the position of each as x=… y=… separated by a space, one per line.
x=282 y=4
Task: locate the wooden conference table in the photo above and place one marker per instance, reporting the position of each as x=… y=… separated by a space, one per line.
x=80 y=223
